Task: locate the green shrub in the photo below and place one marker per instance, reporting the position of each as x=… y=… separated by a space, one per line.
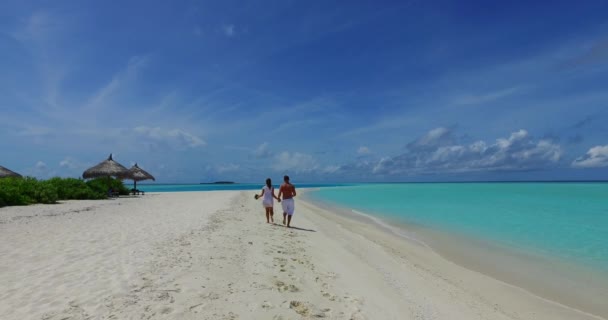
x=10 y=193
x=45 y=192
x=27 y=187
x=24 y=191
x=74 y=189
x=102 y=185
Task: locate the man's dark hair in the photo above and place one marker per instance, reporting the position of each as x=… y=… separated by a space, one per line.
x=286 y=178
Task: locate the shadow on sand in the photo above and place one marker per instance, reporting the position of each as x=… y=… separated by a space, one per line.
x=293 y=228
x=302 y=229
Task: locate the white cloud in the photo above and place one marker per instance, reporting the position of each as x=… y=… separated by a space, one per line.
x=296 y=162
x=118 y=82
x=262 y=151
x=594 y=158
x=66 y=163
x=434 y=135
x=438 y=151
x=229 y=30
x=41 y=165
x=40 y=170
x=69 y=163
x=172 y=138
x=384 y=166
x=431 y=140
x=363 y=150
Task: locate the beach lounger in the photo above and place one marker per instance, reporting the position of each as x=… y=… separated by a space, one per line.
x=137 y=192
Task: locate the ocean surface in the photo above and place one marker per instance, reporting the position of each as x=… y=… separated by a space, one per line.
x=568 y=221
x=550 y=239
x=217 y=187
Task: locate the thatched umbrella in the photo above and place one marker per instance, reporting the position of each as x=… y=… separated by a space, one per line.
x=107 y=168
x=138 y=174
x=6 y=173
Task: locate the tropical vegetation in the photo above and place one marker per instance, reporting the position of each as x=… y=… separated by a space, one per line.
x=26 y=191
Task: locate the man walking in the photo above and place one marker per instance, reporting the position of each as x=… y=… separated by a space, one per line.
x=288 y=191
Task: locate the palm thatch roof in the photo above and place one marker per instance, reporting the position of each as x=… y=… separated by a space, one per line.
x=107 y=168
x=138 y=174
x=5 y=173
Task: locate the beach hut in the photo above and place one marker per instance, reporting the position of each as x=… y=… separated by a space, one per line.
x=6 y=173
x=107 y=168
x=138 y=174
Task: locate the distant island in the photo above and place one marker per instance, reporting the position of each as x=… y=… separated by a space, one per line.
x=219 y=182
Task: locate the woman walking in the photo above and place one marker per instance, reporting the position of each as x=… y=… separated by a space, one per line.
x=267 y=200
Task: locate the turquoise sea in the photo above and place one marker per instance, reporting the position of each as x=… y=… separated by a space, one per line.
x=568 y=221
x=218 y=187
x=550 y=239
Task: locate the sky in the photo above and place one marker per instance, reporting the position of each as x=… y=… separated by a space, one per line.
x=325 y=91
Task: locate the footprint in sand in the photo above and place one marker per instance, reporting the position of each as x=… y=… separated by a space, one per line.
x=163 y=295
x=280 y=261
x=306 y=309
x=299 y=307
x=323 y=313
x=282 y=287
x=328 y=295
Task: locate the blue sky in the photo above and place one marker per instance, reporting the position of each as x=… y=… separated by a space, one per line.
x=324 y=91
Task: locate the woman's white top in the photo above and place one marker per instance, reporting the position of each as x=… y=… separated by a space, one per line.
x=267 y=194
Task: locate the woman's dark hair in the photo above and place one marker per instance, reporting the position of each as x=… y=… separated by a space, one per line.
x=269 y=183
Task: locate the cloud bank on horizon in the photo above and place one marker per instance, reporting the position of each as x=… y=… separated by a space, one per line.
x=223 y=90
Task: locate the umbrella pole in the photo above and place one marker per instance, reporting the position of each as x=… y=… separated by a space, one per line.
x=135 y=184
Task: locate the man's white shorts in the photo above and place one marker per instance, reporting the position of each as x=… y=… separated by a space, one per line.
x=288 y=206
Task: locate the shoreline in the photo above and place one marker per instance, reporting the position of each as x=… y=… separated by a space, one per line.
x=211 y=255
x=519 y=269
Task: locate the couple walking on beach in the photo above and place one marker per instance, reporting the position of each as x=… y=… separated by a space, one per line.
x=287 y=191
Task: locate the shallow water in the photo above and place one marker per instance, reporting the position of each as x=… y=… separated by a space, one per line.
x=568 y=221
x=218 y=187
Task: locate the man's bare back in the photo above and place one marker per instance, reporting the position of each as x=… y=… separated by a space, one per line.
x=288 y=190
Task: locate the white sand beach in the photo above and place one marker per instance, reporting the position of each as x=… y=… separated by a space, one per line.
x=211 y=255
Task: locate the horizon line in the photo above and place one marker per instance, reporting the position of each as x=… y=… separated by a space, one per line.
x=390 y=182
